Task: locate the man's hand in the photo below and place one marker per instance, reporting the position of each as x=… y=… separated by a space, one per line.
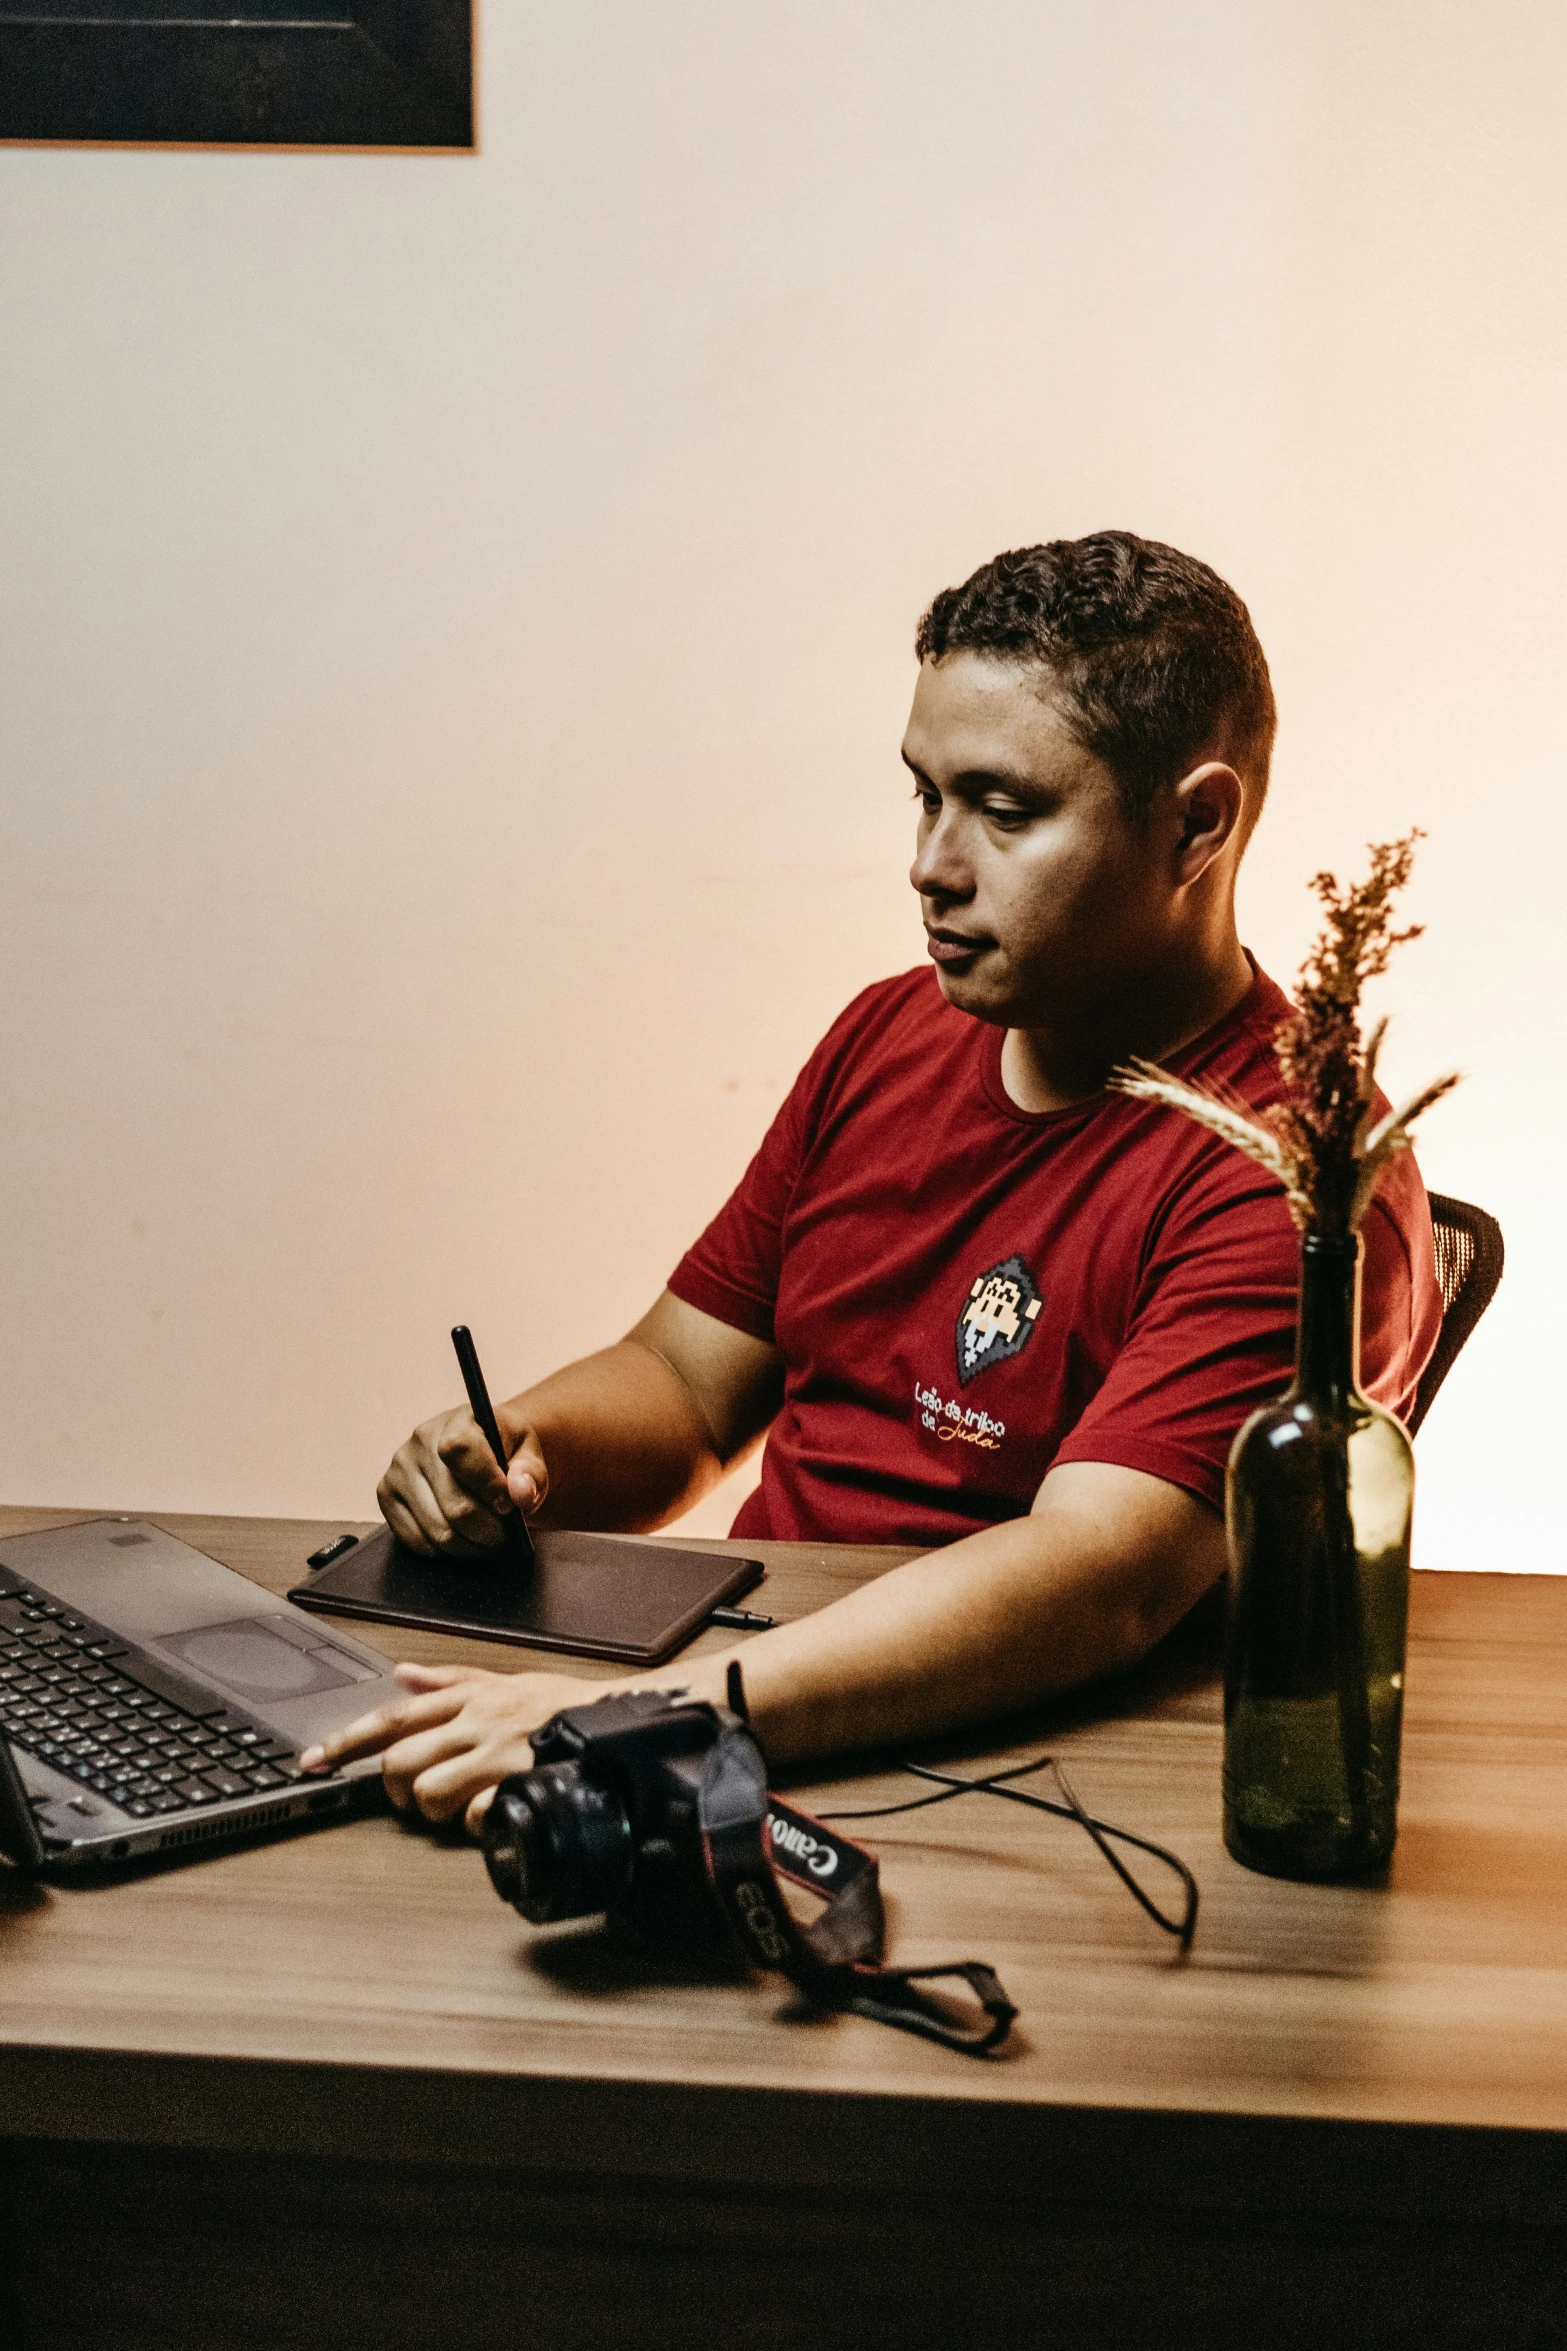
x=632 y=1436
x=461 y=1730
x=442 y=1488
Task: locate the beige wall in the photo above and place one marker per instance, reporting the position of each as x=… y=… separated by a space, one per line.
x=455 y=637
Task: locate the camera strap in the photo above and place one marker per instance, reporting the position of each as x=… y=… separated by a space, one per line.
x=750 y=1839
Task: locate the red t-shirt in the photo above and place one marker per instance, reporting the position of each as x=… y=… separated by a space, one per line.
x=965 y=1293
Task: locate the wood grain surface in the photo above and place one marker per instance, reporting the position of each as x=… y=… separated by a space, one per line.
x=331 y=2091
x=1439 y=1997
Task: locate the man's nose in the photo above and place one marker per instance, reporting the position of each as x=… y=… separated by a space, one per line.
x=940 y=869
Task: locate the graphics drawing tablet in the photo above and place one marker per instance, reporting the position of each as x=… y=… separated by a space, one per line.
x=620 y=1596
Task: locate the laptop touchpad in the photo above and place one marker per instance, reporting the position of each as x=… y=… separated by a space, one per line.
x=248 y=1657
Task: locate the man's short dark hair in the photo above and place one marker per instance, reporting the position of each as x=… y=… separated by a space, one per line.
x=1154 y=658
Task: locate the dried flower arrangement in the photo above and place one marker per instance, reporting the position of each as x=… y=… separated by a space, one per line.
x=1322 y=1141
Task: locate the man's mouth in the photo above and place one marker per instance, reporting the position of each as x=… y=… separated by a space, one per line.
x=956 y=947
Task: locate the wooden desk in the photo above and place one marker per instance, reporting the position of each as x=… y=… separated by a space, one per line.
x=331 y=2092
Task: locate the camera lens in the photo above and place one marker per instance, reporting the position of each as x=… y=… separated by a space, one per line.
x=556 y=1845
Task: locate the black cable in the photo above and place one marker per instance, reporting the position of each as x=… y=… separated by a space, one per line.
x=948 y=1786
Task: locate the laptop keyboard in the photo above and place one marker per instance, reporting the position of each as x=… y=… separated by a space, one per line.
x=120 y=1722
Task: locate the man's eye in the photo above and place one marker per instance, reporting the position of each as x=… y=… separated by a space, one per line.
x=1006 y=815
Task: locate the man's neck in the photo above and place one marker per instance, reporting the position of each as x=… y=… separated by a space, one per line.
x=1052 y=1068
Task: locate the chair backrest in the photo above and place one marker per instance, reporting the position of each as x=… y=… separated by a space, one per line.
x=1469 y=1258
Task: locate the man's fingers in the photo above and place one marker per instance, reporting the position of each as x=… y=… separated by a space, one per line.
x=417 y=1498
x=450 y=1782
x=371 y=1732
x=411 y=1761
x=401 y=1519
x=463 y=1451
x=473 y=1819
x=444 y=1746
x=527 y=1479
x=469 y=1508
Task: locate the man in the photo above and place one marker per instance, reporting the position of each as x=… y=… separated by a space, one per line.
x=972 y=1299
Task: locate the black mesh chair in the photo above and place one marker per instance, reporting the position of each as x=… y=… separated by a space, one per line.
x=1469 y=1259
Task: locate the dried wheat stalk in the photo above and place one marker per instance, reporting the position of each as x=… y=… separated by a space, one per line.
x=1321 y=1142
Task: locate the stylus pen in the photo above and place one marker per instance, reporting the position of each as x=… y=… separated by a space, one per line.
x=518 y=1540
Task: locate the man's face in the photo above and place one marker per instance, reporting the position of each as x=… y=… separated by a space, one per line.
x=1042 y=901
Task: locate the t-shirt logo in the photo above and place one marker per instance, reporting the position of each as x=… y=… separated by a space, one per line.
x=998 y=1317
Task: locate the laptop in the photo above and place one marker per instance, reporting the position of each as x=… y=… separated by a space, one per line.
x=153 y=1701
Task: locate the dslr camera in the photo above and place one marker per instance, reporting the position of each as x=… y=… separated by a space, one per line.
x=652 y=1807
x=615 y=1813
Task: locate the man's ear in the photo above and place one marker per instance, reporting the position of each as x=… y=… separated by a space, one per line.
x=1210 y=804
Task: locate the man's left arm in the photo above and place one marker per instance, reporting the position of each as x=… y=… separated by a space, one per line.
x=1105 y=1564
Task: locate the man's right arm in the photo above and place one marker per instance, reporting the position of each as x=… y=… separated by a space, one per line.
x=624 y=1440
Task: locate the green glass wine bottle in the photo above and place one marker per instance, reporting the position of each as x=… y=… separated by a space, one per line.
x=1320 y=1491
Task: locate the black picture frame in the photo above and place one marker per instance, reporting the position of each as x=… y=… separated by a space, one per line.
x=285 y=73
